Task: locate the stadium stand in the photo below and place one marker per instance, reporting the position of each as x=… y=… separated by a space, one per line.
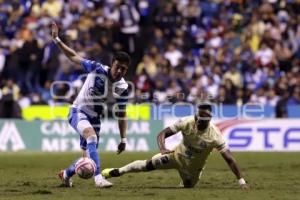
x=238 y=51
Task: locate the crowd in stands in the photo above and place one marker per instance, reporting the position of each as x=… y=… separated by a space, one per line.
x=238 y=51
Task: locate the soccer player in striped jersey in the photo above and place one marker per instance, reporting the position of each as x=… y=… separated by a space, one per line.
x=102 y=84
x=200 y=137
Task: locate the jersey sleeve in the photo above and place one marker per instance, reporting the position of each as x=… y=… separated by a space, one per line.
x=89 y=66
x=178 y=126
x=122 y=99
x=220 y=143
x=221 y=146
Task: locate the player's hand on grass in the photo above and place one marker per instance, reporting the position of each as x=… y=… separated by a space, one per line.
x=54 y=30
x=121 y=147
x=165 y=151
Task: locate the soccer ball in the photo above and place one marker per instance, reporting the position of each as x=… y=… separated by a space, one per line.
x=85 y=168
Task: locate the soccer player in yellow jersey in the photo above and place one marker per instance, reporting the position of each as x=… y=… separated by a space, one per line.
x=200 y=137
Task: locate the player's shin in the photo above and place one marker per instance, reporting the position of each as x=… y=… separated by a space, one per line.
x=136 y=166
x=92 y=152
x=70 y=171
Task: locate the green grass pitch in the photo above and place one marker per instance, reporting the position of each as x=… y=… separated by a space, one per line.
x=34 y=176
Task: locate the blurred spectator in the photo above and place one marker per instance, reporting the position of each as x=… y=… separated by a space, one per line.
x=148 y=65
x=128 y=18
x=11 y=89
x=241 y=97
x=29 y=63
x=272 y=98
x=191 y=11
x=212 y=87
x=144 y=87
x=173 y=91
x=167 y=17
x=295 y=98
x=224 y=97
x=284 y=56
x=235 y=76
x=9 y=107
x=52 y=8
x=230 y=87
x=46 y=93
x=258 y=97
x=159 y=39
x=238 y=51
x=173 y=54
x=2 y=60
x=281 y=106
x=36 y=8
x=265 y=56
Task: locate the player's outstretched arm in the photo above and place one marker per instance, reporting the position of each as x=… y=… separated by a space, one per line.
x=70 y=53
x=228 y=157
x=167 y=132
x=122 y=122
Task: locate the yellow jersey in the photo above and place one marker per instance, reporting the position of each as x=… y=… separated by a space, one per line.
x=196 y=145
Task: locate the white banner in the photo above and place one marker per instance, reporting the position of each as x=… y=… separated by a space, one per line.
x=255 y=135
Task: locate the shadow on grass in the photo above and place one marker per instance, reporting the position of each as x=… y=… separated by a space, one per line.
x=166 y=187
x=197 y=187
x=42 y=192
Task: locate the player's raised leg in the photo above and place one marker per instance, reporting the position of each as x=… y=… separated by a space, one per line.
x=135 y=166
x=65 y=175
x=88 y=142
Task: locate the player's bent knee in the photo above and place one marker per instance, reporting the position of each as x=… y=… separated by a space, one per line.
x=160 y=161
x=88 y=132
x=91 y=138
x=149 y=165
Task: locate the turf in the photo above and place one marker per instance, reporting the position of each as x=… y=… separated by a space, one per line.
x=33 y=176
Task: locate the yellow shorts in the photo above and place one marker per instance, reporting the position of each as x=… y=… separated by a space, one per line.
x=189 y=174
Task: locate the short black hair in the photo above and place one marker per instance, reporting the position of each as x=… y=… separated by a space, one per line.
x=122 y=57
x=205 y=106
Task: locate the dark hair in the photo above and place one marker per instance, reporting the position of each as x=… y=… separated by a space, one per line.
x=205 y=106
x=122 y=57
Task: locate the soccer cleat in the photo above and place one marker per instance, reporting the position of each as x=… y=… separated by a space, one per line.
x=111 y=172
x=101 y=182
x=66 y=182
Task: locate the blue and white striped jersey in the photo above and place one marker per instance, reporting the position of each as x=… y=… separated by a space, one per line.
x=97 y=89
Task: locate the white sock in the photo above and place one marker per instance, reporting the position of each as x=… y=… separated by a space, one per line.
x=136 y=166
x=65 y=175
